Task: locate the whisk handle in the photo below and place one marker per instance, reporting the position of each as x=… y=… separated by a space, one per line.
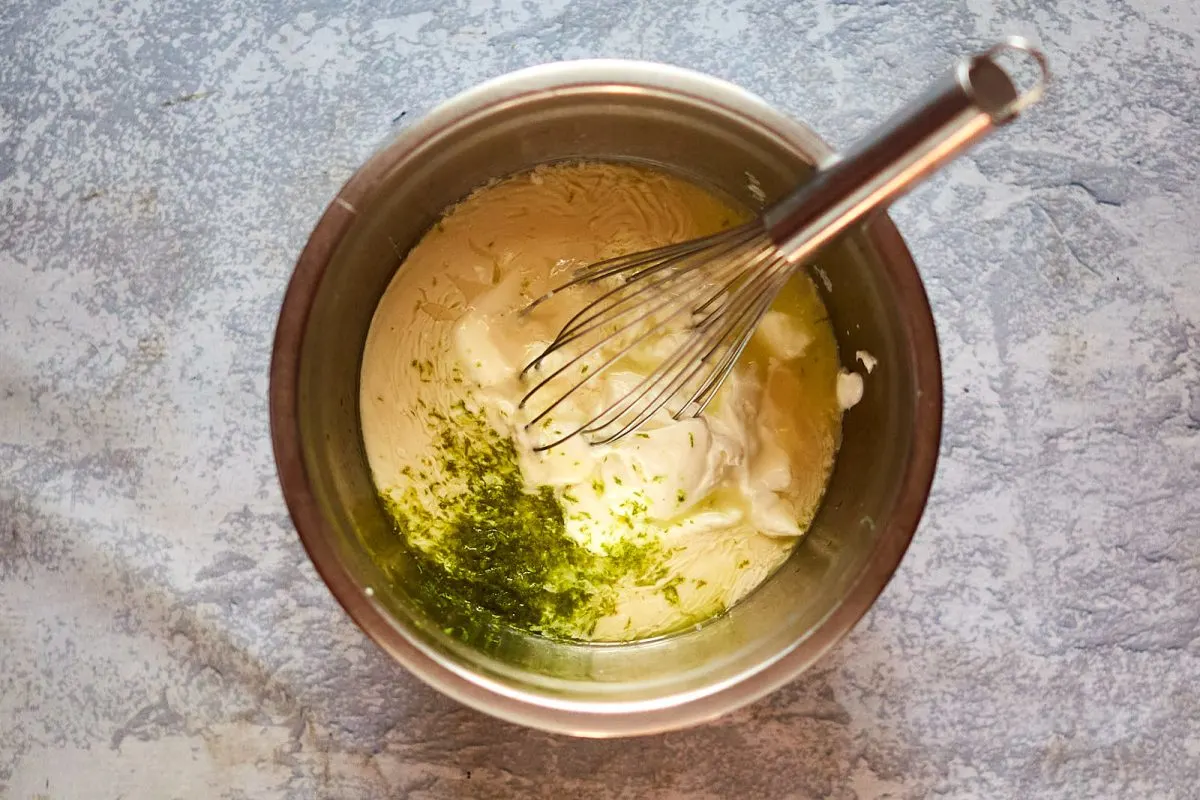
x=974 y=99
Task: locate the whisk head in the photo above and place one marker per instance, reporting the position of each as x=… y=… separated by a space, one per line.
x=676 y=318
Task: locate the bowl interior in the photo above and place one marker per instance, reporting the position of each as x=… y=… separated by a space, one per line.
x=869 y=511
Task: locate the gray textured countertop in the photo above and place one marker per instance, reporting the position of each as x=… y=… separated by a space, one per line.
x=162 y=633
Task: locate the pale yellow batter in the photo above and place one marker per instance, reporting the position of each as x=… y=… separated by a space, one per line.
x=628 y=540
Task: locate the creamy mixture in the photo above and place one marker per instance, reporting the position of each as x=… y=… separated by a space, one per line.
x=657 y=531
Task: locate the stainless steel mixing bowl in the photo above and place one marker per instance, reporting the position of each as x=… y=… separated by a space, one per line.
x=700 y=127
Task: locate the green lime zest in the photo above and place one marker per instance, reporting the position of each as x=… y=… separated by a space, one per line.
x=489 y=551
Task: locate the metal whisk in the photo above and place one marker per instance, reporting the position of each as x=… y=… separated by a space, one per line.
x=711 y=293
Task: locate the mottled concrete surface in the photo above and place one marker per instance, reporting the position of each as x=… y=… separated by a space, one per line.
x=162 y=634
